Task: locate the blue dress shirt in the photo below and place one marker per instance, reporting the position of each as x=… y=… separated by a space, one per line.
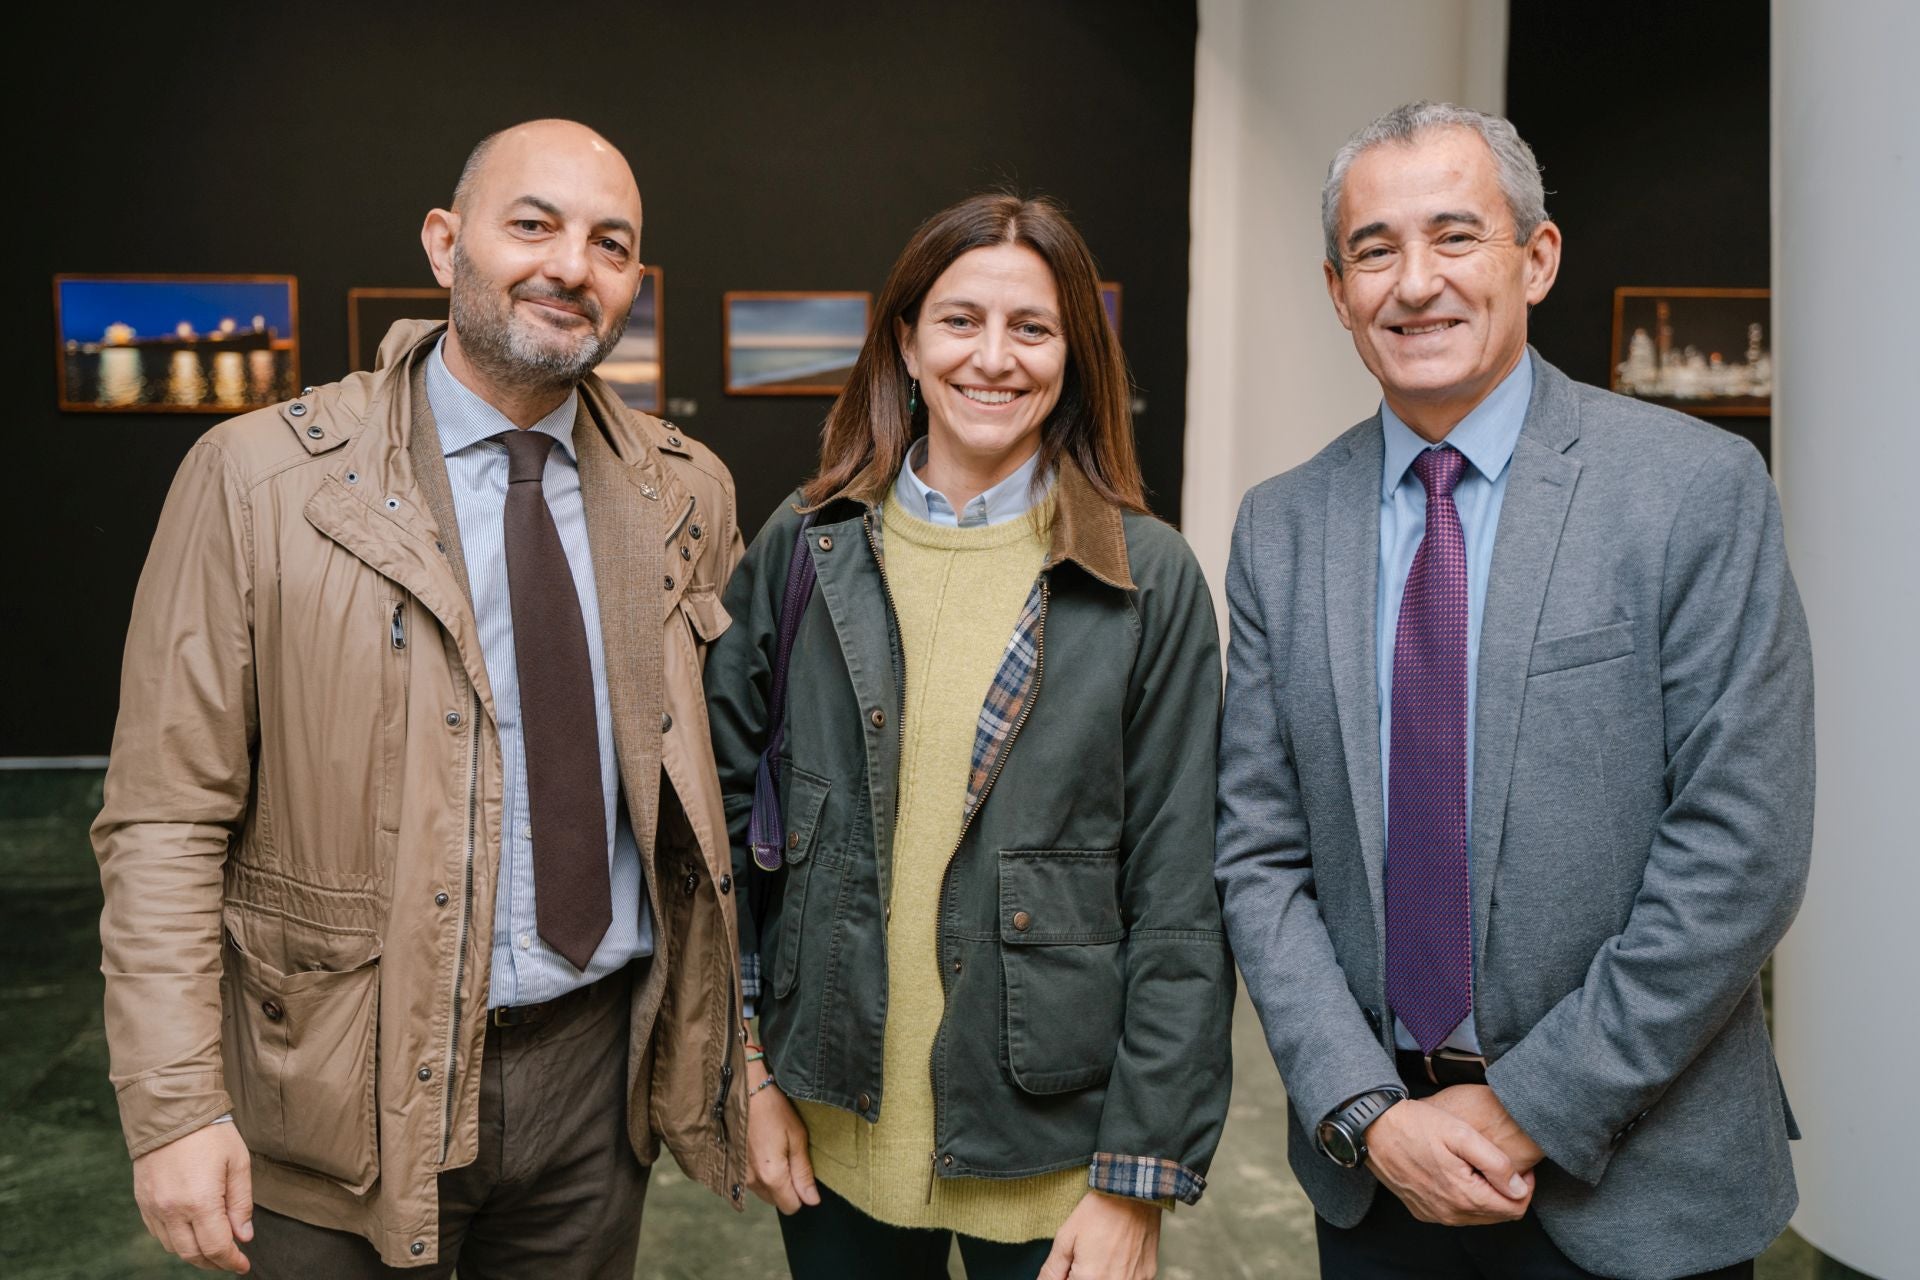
x=524 y=969
x=1486 y=437
x=1013 y=496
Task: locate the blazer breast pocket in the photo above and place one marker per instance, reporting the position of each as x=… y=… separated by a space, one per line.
x=1581 y=649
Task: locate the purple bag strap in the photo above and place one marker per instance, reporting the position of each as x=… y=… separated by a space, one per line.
x=765 y=829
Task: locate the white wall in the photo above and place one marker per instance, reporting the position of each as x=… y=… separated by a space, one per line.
x=1846 y=272
x=1279 y=84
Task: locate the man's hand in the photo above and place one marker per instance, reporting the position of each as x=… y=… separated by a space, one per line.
x=1106 y=1238
x=196 y=1197
x=1443 y=1169
x=778 y=1170
x=1481 y=1107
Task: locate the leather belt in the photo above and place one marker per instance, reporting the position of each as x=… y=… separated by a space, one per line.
x=529 y=1015
x=1442 y=1067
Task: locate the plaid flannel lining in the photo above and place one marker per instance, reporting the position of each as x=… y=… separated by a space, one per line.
x=1145 y=1178
x=750 y=979
x=1005 y=697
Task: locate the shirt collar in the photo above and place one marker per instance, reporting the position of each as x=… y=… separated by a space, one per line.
x=464 y=418
x=1013 y=496
x=1485 y=436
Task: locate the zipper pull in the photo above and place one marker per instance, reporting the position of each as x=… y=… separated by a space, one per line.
x=400 y=625
x=933 y=1162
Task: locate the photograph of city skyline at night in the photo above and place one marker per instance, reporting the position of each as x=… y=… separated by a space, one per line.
x=175 y=344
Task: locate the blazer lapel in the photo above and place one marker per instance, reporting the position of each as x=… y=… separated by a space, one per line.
x=626 y=530
x=1352 y=577
x=1540 y=485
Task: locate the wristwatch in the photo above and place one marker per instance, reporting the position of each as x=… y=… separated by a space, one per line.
x=1343 y=1135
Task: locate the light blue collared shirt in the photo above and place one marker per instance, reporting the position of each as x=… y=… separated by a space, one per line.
x=524 y=969
x=1486 y=437
x=1013 y=496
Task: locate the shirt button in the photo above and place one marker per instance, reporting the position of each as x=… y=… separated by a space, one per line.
x=526 y=831
x=526 y=941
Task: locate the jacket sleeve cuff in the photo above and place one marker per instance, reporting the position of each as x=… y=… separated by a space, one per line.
x=157 y=1109
x=1144 y=1178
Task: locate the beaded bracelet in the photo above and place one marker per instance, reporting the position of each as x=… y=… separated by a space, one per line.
x=763 y=1084
x=757 y=1055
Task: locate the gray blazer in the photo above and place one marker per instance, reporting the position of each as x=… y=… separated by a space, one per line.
x=1642 y=818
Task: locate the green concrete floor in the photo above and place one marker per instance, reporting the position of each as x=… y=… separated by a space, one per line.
x=66 y=1204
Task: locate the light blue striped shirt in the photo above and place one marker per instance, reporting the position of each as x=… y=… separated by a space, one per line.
x=1486 y=437
x=524 y=969
x=1012 y=497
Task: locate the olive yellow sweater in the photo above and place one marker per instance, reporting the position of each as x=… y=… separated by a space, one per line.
x=958 y=594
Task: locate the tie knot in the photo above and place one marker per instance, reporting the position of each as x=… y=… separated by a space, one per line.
x=1439 y=470
x=526 y=454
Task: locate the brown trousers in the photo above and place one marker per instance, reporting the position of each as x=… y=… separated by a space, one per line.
x=555 y=1190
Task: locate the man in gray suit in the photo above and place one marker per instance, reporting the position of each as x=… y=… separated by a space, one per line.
x=1516 y=775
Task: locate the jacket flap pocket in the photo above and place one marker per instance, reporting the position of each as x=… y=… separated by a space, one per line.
x=1059 y=896
x=806 y=797
x=709 y=617
x=1582 y=648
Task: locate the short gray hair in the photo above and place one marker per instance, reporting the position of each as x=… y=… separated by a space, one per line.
x=1519 y=172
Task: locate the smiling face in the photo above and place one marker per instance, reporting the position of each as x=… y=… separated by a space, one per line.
x=990 y=352
x=1432 y=285
x=541 y=255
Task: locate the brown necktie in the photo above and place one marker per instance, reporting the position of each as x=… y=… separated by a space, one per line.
x=573 y=900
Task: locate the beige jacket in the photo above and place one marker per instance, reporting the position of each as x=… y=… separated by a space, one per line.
x=301 y=833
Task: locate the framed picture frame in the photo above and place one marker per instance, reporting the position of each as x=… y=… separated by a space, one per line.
x=1110 y=300
x=1702 y=351
x=187 y=343
x=792 y=343
x=373 y=311
x=636 y=367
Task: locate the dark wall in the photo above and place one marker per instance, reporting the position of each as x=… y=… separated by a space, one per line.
x=778 y=146
x=1650 y=120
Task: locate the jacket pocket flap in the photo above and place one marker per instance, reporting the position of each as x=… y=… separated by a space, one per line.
x=806 y=797
x=1059 y=896
x=285 y=945
x=1581 y=649
x=709 y=617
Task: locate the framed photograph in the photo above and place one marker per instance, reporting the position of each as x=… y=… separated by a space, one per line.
x=792 y=344
x=1110 y=300
x=1703 y=351
x=634 y=368
x=175 y=344
x=371 y=312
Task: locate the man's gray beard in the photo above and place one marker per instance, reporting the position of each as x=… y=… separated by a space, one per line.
x=503 y=349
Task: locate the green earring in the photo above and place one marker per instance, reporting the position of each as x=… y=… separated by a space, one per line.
x=913 y=398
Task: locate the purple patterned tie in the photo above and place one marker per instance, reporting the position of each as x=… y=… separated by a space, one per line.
x=1429 y=904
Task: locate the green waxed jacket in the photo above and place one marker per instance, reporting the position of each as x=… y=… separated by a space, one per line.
x=1087 y=980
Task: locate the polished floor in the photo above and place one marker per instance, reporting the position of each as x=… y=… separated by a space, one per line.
x=66 y=1205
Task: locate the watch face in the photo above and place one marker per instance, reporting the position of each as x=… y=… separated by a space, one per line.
x=1338 y=1145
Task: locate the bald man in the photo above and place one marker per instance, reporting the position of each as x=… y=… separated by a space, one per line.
x=418 y=934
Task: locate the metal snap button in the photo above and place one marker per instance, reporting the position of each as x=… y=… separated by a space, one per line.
x=306 y=391
x=674 y=441
x=453 y=718
x=666 y=722
x=669 y=582
x=726 y=884
x=793 y=839
x=353 y=477
x=826 y=543
x=694 y=530
x=419 y=1247
x=1022 y=921
x=393 y=504
x=947 y=1161
x=296 y=409
x=273 y=1010
x=956 y=966
x=692 y=883
x=315 y=431
x=425 y=1073
x=685 y=554
x=439 y=899
x=879 y=718
x=863 y=1102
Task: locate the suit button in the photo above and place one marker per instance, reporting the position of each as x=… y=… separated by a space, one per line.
x=863 y=1103
x=273 y=1010
x=666 y=722
x=879 y=718
x=726 y=884
x=1022 y=921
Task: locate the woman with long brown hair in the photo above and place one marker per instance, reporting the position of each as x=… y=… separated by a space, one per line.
x=965 y=719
